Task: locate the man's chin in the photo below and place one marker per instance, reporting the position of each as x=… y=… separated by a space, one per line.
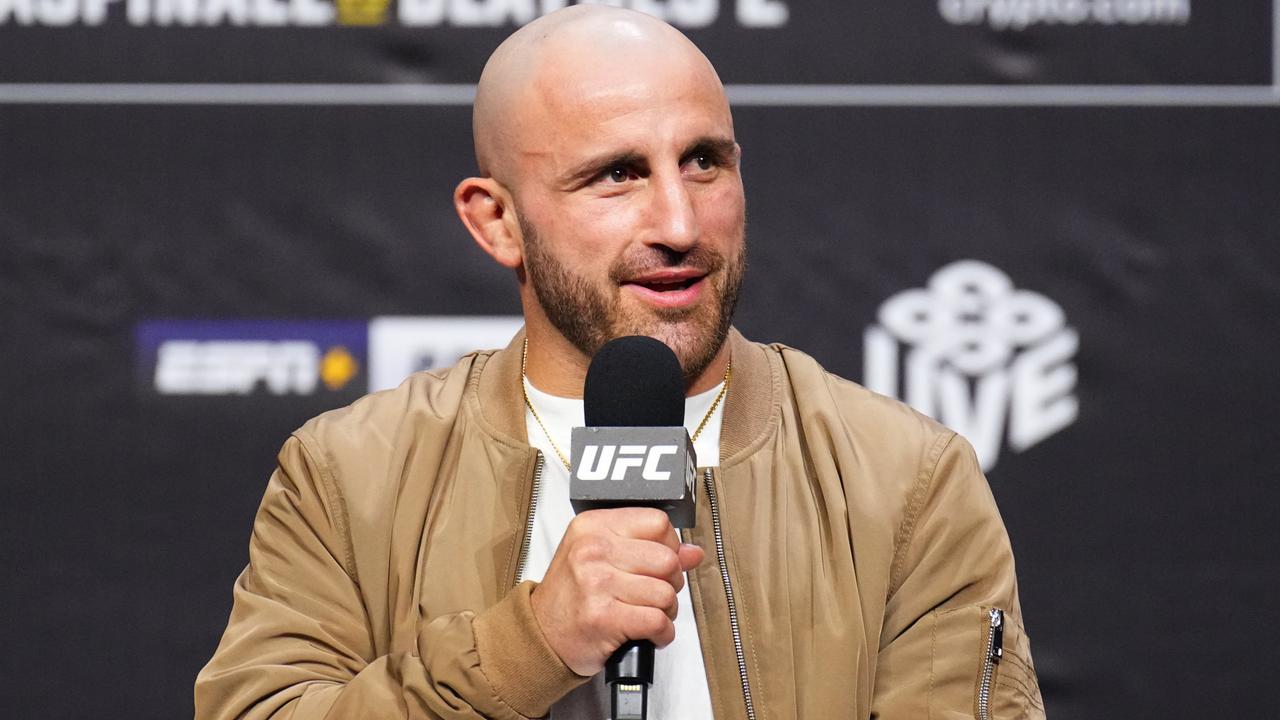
x=693 y=339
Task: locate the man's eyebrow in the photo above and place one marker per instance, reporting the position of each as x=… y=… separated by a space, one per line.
x=722 y=147
x=592 y=167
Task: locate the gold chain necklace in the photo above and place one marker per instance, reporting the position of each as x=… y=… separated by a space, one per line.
x=524 y=356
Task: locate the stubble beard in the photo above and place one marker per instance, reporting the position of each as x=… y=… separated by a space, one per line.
x=589 y=316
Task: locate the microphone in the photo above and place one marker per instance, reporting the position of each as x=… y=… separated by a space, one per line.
x=634 y=452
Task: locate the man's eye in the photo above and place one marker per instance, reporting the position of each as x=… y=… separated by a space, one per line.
x=618 y=174
x=700 y=162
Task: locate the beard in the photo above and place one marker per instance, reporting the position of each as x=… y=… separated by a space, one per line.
x=589 y=316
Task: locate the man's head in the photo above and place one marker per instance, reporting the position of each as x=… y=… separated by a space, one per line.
x=611 y=183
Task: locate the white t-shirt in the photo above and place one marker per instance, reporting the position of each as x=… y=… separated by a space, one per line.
x=679 y=688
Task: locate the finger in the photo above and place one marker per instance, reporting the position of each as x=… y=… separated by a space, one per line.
x=643 y=557
x=691 y=556
x=645 y=623
x=642 y=591
x=643 y=524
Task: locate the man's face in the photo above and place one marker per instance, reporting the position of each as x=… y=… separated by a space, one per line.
x=632 y=210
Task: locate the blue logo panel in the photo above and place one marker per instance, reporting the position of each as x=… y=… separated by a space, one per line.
x=249 y=357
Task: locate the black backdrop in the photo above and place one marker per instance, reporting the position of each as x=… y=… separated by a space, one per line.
x=1123 y=172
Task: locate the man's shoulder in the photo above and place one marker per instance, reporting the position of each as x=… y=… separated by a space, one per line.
x=872 y=421
x=368 y=429
x=886 y=456
x=811 y=382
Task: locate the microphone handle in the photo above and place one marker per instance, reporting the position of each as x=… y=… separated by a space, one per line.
x=629 y=673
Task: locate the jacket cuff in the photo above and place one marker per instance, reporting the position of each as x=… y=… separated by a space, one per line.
x=515 y=658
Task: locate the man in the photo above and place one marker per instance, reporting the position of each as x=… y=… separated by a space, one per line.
x=415 y=555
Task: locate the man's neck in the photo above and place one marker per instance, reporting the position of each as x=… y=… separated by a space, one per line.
x=554 y=366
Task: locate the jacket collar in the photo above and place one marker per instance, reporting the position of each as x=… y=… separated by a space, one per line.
x=751 y=406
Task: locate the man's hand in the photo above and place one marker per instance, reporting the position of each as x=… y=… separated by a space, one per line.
x=614 y=578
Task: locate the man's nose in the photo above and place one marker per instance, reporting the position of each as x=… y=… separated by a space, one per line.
x=675 y=223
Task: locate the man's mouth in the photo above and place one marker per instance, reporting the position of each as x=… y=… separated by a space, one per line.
x=668 y=288
x=666 y=285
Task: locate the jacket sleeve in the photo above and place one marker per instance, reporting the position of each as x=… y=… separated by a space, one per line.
x=299 y=644
x=953 y=566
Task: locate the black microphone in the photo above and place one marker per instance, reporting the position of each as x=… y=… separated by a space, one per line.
x=634 y=452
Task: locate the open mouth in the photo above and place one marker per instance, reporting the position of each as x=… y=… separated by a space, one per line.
x=674 y=288
x=673 y=285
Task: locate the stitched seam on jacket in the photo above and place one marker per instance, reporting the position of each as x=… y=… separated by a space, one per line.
x=1018 y=685
x=761 y=710
x=746 y=628
x=1018 y=674
x=1011 y=654
x=1029 y=698
x=339 y=503
x=1021 y=632
x=1017 y=670
x=933 y=655
x=924 y=479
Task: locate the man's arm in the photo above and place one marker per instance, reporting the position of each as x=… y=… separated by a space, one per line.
x=299 y=644
x=953 y=566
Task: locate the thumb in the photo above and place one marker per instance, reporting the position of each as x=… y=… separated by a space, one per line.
x=691 y=556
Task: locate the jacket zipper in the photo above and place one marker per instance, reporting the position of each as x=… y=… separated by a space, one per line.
x=995 y=650
x=728 y=593
x=528 y=525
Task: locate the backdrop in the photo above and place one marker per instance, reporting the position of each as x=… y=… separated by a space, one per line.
x=1050 y=223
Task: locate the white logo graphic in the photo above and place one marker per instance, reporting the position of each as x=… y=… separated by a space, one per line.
x=627 y=456
x=236 y=367
x=978 y=352
x=401 y=346
x=1021 y=14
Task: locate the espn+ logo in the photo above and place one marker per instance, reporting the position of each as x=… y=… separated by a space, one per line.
x=611 y=462
x=250 y=357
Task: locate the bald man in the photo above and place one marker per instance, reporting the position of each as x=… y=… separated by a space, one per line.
x=416 y=556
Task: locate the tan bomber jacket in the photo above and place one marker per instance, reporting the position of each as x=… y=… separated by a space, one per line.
x=855 y=561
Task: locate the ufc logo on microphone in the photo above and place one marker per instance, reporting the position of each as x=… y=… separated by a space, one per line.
x=611 y=462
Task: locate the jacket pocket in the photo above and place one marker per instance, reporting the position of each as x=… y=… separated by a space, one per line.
x=981 y=666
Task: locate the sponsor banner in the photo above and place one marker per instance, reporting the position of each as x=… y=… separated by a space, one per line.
x=251 y=357
x=400 y=346
x=1144 y=42
x=305 y=357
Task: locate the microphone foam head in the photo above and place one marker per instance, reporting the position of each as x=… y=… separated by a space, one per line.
x=634 y=381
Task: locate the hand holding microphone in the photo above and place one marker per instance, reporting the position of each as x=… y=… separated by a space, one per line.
x=614 y=578
x=609 y=594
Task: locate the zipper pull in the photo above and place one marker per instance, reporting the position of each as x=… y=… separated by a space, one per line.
x=996 y=648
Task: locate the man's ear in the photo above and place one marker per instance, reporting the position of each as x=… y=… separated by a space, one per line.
x=486 y=210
